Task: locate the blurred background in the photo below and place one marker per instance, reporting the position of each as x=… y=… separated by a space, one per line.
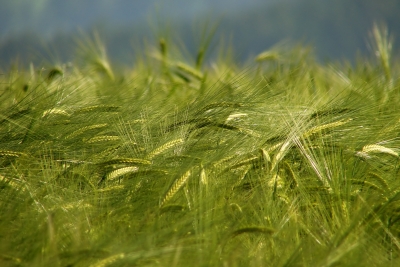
x=47 y=31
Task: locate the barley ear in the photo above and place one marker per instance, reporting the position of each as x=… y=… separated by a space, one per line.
x=121 y=171
x=199 y=58
x=382 y=42
x=203 y=177
x=126 y=161
x=184 y=68
x=253 y=229
x=164 y=147
x=265 y=155
x=55 y=111
x=8 y=153
x=320 y=128
x=281 y=154
x=108 y=261
x=267 y=56
x=368 y=149
x=175 y=187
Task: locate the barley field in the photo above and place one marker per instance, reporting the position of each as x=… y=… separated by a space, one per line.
x=282 y=161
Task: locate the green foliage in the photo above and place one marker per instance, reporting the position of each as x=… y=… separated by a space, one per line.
x=282 y=163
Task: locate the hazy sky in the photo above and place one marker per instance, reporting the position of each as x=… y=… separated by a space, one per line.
x=334 y=29
x=47 y=16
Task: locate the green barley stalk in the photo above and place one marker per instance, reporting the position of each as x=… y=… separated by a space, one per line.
x=249 y=161
x=380 y=180
x=98 y=108
x=103 y=138
x=84 y=129
x=367 y=184
x=108 y=261
x=219 y=105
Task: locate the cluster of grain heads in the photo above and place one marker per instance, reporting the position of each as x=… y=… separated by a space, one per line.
x=237 y=172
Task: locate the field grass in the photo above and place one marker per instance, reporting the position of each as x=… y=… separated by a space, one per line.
x=282 y=162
